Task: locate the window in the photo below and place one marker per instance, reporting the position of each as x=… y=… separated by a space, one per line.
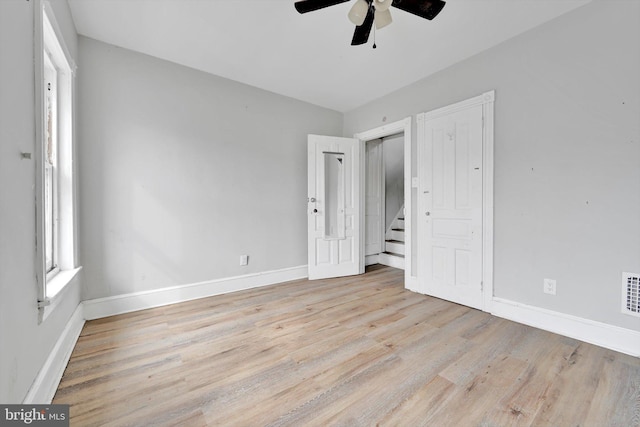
x=55 y=189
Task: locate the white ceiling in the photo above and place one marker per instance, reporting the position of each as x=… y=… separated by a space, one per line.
x=267 y=44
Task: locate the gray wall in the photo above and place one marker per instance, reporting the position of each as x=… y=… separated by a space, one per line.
x=24 y=343
x=567 y=154
x=182 y=172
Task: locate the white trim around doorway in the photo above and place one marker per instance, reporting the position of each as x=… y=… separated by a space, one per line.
x=401 y=126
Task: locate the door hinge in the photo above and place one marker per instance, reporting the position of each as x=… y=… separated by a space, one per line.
x=481 y=286
x=44 y=303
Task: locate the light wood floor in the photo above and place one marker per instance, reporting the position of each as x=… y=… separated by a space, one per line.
x=358 y=351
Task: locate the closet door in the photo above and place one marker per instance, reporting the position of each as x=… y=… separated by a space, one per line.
x=450 y=206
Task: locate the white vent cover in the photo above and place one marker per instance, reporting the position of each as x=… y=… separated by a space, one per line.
x=631 y=294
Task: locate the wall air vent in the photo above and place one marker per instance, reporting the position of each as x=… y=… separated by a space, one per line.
x=631 y=294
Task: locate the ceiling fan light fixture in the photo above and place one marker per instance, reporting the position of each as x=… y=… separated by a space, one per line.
x=383 y=18
x=382 y=5
x=358 y=12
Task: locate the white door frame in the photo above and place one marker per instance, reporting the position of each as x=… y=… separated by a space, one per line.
x=401 y=126
x=486 y=100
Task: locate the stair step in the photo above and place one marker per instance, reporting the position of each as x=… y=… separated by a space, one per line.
x=395 y=234
x=392 y=260
x=393 y=254
x=394 y=247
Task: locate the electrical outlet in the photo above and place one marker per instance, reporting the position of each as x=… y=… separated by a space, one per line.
x=244 y=259
x=549 y=286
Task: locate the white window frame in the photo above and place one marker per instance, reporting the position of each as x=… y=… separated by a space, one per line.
x=56 y=235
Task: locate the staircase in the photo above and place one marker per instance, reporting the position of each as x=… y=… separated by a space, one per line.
x=393 y=254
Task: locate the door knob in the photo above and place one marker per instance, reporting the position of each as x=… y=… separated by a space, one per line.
x=315 y=211
x=427 y=213
x=312 y=200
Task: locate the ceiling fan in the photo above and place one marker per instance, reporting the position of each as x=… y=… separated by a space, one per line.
x=365 y=13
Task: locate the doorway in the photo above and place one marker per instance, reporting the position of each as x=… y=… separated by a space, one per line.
x=384 y=201
x=397 y=137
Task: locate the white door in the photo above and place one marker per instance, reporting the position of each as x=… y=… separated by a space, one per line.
x=334 y=207
x=374 y=199
x=450 y=207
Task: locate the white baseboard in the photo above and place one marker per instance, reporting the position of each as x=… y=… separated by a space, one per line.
x=110 y=306
x=601 y=334
x=46 y=383
x=371 y=259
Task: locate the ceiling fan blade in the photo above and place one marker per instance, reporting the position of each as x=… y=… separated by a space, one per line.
x=304 y=6
x=361 y=34
x=427 y=9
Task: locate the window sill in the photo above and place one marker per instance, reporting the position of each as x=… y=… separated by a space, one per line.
x=60 y=281
x=56 y=288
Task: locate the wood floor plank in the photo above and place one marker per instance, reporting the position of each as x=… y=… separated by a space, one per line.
x=616 y=401
x=570 y=396
x=355 y=351
x=467 y=367
x=425 y=400
x=323 y=407
x=522 y=402
x=471 y=401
